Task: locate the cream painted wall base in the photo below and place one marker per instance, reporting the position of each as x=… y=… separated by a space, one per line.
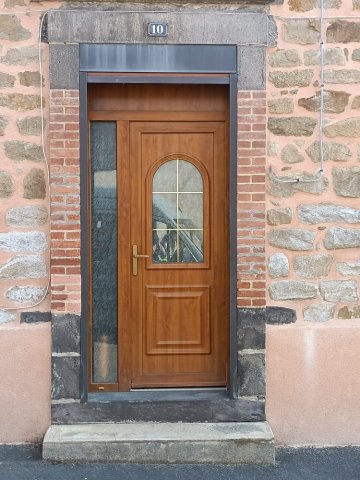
x=313 y=383
x=25 y=368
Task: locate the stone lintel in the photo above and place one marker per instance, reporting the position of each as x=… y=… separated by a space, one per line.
x=249 y=31
x=218 y=28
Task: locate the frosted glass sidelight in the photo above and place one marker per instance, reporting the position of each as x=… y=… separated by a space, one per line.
x=104 y=279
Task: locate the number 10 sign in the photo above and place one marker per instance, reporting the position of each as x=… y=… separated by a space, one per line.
x=157 y=29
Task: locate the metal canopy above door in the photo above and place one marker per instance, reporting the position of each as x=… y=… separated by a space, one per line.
x=158 y=58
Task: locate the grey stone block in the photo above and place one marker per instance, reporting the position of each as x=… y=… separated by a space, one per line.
x=27 y=216
x=20 y=151
x=81 y=26
x=251 y=328
x=281 y=105
x=28 y=294
x=332 y=56
x=279 y=216
x=356 y=55
x=4 y=121
x=291 y=154
x=355 y=102
x=349 y=268
x=337 y=238
x=251 y=68
x=280 y=315
x=6 y=316
x=341 y=76
x=336 y=152
x=20 y=56
x=29 y=79
x=327 y=213
x=251 y=368
x=292 y=239
x=292 y=126
x=34 y=242
x=6 y=185
x=65 y=333
x=333 y=102
x=291 y=79
x=339 y=290
x=278 y=265
x=316 y=186
x=341 y=31
x=148 y=407
x=30 y=266
x=272 y=30
x=34 y=317
x=6 y=80
x=350 y=127
x=64 y=66
x=65 y=377
x=35 y=184
x=29 y=125
x=292 y=290
x=319 y=313
x=11 y=29
x=301 y=30
x=19 y=101
x=313 y=266
x=284 y=58
x=346 y=181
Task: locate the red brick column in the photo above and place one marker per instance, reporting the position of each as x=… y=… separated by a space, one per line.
x=251 y=156
x=64 y=140
x=65 y=200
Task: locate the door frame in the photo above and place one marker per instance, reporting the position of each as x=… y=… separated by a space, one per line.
x=180 y=64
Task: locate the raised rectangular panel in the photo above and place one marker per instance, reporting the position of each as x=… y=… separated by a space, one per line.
x=177 y=320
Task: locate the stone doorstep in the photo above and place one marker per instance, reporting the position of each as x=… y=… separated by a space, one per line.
x=148 y=442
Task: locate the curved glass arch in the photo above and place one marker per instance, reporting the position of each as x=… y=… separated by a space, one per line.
x=177 y=213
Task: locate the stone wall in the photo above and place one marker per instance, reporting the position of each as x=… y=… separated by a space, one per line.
x=25 y=336
x=313 y=228
x=24 y=215
x=313 y=224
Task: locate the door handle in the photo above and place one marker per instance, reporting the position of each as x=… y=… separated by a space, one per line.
x=135 y=257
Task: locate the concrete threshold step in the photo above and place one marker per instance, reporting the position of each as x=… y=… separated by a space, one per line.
x=147 y=442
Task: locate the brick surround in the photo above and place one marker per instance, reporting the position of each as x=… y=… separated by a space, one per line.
x=64 y=138
x=251 y=287
x=65 y=200
x=64 y=145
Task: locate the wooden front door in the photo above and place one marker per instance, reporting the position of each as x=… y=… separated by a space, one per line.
x=172 y=241
x=178 y=205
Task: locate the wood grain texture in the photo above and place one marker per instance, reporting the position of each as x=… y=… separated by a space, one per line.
x=191 y=328
x=172 y=320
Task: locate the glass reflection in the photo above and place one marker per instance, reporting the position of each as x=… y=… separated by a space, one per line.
x=189 y=177
x=104 y=251
x=177 y=215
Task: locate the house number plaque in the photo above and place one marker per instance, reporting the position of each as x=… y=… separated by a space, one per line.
x=157 y=29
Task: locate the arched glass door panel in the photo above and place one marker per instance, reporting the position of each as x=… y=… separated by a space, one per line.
x=178 y=213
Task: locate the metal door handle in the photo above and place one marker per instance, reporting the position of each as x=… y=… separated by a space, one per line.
x=135 y=257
